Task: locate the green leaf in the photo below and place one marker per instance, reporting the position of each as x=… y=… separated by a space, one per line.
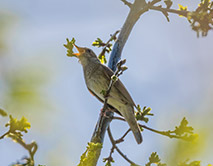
x=102 y=58
x=141 y=115
x=18 y=125
x=154 y=159
x=108 y=161
x=183 y=128
x=3 y=113
x=98 y=43
x=123 y=68
x=139 y=108
x=69 y=47
x=182 y=8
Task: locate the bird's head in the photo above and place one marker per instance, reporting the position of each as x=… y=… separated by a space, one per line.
x=85 y=55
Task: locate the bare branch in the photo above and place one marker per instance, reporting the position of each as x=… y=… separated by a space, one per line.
x=31 y=148
x=117 y=149
x=4 y=135
x=147 y=6
x=122 y=138
x=159 y=8
x=127 y=3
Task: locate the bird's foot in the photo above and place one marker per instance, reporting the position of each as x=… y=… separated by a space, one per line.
x=106 y=113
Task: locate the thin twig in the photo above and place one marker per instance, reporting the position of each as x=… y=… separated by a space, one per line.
x=117 y=149
x=161 y=132
x=31 y=148
x=150 y=5
x=127 y=3
x=107 y=43
x=122 y=138
x=119 y=118
x=159 y=8
x=4 y=135
x=165 y=133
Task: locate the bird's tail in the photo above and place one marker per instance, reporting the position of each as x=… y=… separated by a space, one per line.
x=129 y=116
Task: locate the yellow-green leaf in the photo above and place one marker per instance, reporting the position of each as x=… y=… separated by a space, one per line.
x=2 y=112
x=69 y=47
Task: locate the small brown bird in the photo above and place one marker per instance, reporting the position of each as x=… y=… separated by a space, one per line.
x=97 y=77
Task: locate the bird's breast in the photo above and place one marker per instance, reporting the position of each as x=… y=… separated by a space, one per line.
x=97 y=83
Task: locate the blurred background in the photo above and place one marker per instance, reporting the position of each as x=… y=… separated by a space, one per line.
x=170 y=70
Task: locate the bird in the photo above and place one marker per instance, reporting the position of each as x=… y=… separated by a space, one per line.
x=97 y=78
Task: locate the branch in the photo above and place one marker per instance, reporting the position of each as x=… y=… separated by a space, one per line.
x=15 y=133
x=131 y=19
x=106 y=46
x=127 y=3
x=169 y=133
x=160 y=132
x=4 y=135
x=113 y=37
x=103 y=122
x=117 y=149
x=159 y=8
x=122 y=138
x=31 y=148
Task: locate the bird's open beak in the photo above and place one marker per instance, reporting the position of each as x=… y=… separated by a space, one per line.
x=80 y=50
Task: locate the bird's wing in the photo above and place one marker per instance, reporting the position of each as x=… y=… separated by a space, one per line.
x=95 y=95
x=119 y=86
x=111 y=107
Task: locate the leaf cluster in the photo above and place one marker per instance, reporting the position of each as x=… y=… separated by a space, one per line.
x=18 y=126
x=15 y=132
x=69 y=47
x=154 y=159
x=183 y=131
x=107 y=47
x=3 y=113
x=202 y=18
x=141 y=114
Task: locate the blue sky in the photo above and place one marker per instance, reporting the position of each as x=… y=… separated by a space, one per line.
x=170 y=70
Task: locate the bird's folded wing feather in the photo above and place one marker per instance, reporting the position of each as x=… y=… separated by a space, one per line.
x=119 y=86
x=111 y=107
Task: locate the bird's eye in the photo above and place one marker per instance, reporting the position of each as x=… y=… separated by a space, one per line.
x=88 y=50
